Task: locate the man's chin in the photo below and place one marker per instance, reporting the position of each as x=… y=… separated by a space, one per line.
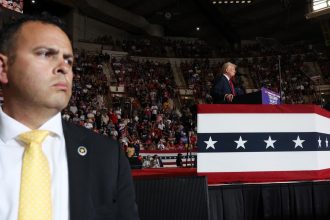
x=58 y=106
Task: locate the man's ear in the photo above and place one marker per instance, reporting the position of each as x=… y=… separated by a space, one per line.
x=3 y=69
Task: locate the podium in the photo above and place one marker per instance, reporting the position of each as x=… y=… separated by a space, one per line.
x=263 y=96
x=249 y=98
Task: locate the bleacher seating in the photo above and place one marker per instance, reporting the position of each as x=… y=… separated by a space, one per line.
x=140 y=104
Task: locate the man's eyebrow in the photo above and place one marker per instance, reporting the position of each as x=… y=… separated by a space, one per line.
x=68 y=56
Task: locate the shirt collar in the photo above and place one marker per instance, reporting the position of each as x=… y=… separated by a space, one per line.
x=11 y=128
x=227 y=77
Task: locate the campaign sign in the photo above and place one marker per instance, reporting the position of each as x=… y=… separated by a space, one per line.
x=270 y=97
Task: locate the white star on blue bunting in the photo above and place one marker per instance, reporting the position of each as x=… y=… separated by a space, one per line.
x=240 y=143
x=298 y=142
x=270 y=143
x=210 y=143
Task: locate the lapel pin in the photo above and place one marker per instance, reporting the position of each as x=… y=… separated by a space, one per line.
x=82 y=151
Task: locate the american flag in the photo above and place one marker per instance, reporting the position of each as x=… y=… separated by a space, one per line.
x=263 y=143
x=169 y=157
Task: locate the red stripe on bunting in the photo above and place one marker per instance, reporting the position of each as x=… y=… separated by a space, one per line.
x=265 y=177
x=255 y=109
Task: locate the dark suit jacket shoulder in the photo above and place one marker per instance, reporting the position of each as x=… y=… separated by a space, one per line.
x=100 y=182
x=220 y=88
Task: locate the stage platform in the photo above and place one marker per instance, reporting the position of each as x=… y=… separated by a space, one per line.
x=180 y=194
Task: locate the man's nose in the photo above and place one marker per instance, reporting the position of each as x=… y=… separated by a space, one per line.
x=62 y=67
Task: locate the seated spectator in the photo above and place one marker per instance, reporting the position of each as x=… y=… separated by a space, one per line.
x=156 y=162
x=130 y=151
x=147 y=162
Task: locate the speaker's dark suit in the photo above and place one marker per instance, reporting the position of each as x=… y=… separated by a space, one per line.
x=220 y=88
x=100 y=183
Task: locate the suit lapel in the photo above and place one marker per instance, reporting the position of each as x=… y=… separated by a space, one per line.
x=78 y=166
x=228 y=85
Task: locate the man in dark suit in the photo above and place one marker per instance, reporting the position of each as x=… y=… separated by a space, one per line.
x=223 y=90
x=89 y=175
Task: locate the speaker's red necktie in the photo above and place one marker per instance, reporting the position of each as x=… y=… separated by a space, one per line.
x=232 y=88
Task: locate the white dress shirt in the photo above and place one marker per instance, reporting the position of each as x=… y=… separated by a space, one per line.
x=11 y=155
x=227 y=77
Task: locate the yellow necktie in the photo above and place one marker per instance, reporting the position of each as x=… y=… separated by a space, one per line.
x=35 y=192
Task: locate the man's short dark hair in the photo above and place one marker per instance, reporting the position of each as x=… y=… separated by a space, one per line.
x=8 y=33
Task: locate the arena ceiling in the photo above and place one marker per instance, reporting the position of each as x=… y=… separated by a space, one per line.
x=283 y=20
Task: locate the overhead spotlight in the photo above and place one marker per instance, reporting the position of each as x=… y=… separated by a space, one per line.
x=248 y=2
x=242 y=2
x=231 y=2
x=237 y=2
x=219 y=2
x=225 y=2
x=214 y=2
x=33 y=1
x=197 y=28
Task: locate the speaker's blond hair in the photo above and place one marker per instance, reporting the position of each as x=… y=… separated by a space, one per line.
x=226 y=65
